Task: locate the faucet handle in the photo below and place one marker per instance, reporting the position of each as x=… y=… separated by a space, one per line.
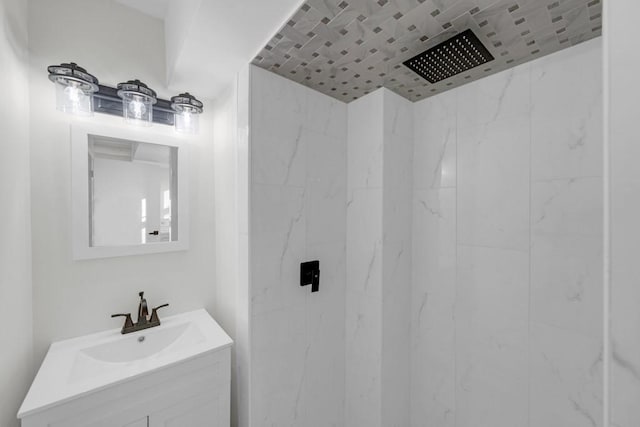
x=154 y=313
x=128 y=323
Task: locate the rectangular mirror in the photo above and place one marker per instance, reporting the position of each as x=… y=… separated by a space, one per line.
x=128 y=193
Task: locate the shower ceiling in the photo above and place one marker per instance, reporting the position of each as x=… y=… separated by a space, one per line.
x=348 y=48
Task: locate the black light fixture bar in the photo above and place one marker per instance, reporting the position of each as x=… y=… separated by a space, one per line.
x=79 y=92
x=107 y=101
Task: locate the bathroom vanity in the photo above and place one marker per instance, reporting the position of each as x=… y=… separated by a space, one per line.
x=176 y=374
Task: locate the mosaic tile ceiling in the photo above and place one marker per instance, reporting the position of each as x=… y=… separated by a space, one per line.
x=348 y=48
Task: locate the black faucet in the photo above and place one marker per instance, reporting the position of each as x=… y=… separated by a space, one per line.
x=144 y=321
x=143 y=312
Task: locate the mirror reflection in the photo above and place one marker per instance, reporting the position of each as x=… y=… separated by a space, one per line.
x=132 y=192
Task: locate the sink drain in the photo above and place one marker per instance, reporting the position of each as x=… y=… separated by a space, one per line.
x=140 y=338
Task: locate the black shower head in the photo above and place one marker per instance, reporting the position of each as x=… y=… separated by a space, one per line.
x=453 y=56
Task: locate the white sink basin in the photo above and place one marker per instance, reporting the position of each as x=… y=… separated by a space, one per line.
x=144 y=344
x=90 y=363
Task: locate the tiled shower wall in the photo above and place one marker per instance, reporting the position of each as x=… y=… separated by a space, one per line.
x=378 y=291
x=297 y=212
x=507 y=248
x=500 y=322
x=621 y=95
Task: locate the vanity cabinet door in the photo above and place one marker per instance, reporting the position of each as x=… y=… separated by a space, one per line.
x=121 y=420
x=203 y=411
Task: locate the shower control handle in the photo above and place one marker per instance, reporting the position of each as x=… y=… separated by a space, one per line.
x=310 y=275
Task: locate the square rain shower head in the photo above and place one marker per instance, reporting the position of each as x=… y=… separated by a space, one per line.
x=456 y=55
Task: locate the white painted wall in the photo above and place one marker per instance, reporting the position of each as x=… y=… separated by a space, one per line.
x=16 y=333
x=72 y=298
x=297 y=213
x=231 y=214
x=178 y=24
x=507 y=248
x=209 y=41
x=621 y=63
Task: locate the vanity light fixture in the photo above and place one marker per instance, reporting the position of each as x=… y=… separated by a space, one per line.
x=78 y=92
x=137 y=102
x=187 y=109
x=74 y=88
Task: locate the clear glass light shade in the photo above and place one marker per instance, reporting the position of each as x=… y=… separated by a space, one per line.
x=187 y=121
x=137 y=109
x=187 y=111
x=70 y=98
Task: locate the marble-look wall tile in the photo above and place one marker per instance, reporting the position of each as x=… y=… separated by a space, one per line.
x=279 y=357
x=493 y=184
x=433 y=300
x=380 y=147
x=433 y=295
x=435 y=134
x=323 y=115
x=502 y=96
x=566 y=303
x=566 y=283
x=364 y=242
x=266 y=93
x=325 y=369
x=566 y=147
x=363 y=358
x=278 y=241
x=398 y=115
x=364 y=261
x=567 y=207
x=620 y=40
x=396 y=275
x=282 y=158
x=325 y=193
x=566 y=230
x=363 y=311
x=397 y=187
x=365 y=147
x=559 y=92
x=510 y=317
x=625 y=269
x=565 y=378
x=298 y=213
x=491 y=320
x=566 y=117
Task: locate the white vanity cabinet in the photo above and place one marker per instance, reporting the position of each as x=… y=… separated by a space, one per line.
x=192 y=390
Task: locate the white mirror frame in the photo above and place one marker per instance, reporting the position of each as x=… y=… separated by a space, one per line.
x=80 y=193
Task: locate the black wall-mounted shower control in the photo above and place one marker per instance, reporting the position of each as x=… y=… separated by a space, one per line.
x=310 y=275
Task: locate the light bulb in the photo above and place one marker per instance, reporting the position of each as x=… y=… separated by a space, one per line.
x=187 y=109
x=70 y=98
x=187 y=122
x=137 y=109
x=186 y=116
x=73 y=93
